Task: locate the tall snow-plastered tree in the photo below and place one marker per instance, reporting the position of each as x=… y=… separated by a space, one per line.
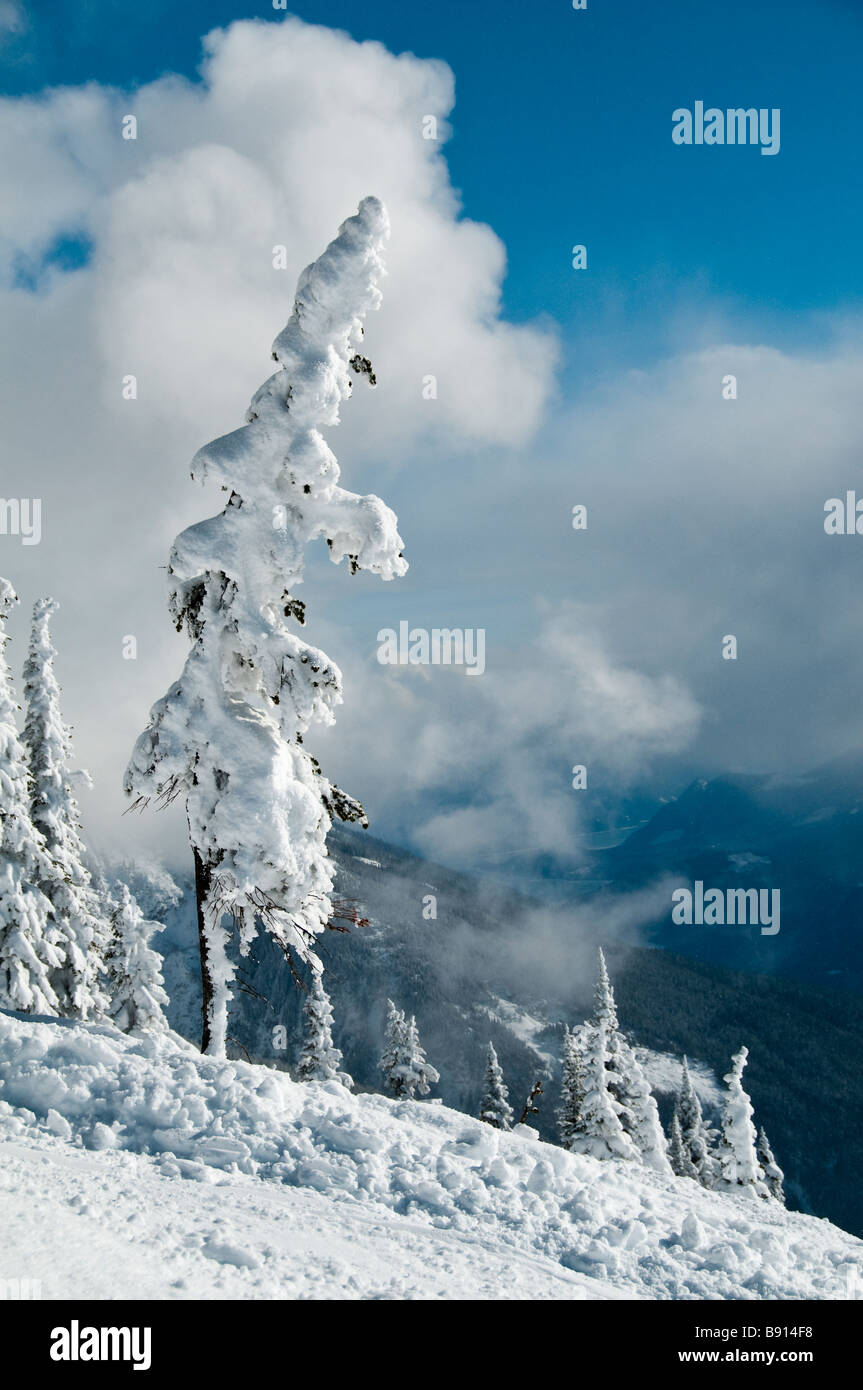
x=320 y=1059
x=495 y=1108
x=135 y=985
x=228 y=735
x=30 y=951
x=66 y=881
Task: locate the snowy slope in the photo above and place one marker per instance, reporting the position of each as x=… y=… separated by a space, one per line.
x=495 y=969
x=160 y=1173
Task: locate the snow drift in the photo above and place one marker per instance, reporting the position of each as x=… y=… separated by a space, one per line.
x=393 y=1174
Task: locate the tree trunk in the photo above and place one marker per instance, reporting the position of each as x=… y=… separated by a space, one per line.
x=203 y=874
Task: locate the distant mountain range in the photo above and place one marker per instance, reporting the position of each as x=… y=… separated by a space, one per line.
x=801 y=835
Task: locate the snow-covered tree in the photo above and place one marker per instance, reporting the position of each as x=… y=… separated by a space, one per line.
x=676 y=1150
x=495 y=1108
x=572 y=1089
x=698 y=1161
x=30 y=953
x=406 y=1071
x=135 y=985
x=738 y=1160
x=66 y=881
x=228 y=735
x=772 y=1175
x=320 y=1059
x=639 y=1111
x=599 y=1131
x=604 y=1006
x=618 y=1115
x=394 y=1042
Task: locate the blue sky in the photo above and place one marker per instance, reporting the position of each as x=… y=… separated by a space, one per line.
x=562 y=134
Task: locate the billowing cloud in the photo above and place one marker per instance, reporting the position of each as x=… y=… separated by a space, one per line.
x=482 y=767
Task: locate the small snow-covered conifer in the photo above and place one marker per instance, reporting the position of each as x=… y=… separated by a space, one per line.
x=495 y=1108
x=773 y=1176
x=134 y=970
x=600 y=1131
x=639 y=1111
x=228 y=736
x=394 y=1044
x=320 y=1059
x=676 y=1152
x=572 y=1089
x=605 y=1121
x=30 y=953
x=419 y=1074
x=406 y=1071
x=697 y=1158
x=738 y=1161
x=66 y=881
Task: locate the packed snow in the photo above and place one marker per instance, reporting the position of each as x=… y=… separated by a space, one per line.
x=161 y=1173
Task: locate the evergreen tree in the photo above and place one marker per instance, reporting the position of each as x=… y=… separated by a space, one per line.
x=599 y=1132
x=572 y=1090
x=738 y=1162
x=619 y=1115
x=228 y=735
x=772 y=1175
x=676 y=1148
x=30 y=950
x=134 y=970
x=420 y=1075
x=495 y=1108
x=65 y=880
x=394 y=1047
x=320 y=1059
x=406 y=1071
x=697 y=1158
x=604 y=1006
x=639 y=1111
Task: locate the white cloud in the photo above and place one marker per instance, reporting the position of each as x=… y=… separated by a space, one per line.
x=506 y=741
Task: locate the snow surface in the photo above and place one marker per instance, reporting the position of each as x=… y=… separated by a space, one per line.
x=134 y=1167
